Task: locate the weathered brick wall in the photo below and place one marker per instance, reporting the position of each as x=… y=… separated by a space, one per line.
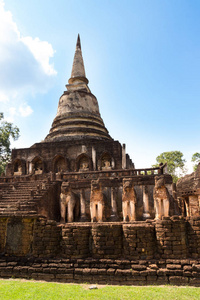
x=171 y=237
x=140 y=253
x=19 y=236
x=174 y=238
x=138 y=241
x=193 y=237
x=75 y=241
x=194 y=205
x=46 y=238
x=16 y=235
x=48 y=205
x=104 y=271
x=3 y=228
x=106 y=240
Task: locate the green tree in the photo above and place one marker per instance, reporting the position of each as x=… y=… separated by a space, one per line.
x=195 y=159
x=7 y=131
x=175 y=163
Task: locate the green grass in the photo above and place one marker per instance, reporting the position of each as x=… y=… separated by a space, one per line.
x=24 y=290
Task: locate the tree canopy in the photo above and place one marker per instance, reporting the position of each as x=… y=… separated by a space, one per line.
x=195 y=159
x=7 y=131
x=175 y=163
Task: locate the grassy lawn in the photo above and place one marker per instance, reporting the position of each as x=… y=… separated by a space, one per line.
x=23 y=290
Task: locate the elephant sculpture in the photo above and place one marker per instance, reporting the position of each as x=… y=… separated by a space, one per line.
x=128 y=200
x=68 y=201
x=97 y=202
x=161 y=198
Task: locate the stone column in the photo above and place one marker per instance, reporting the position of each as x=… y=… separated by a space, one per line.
x=114 y=215
x=62 y=211
x=91 y=211
x=94 y=159
x=187 y=206
x=146 y=214
x=82 y=204
x=123 y=156
x=30 y=168
x=132 y=211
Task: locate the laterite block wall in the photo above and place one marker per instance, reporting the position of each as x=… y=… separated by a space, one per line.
x=170 y=238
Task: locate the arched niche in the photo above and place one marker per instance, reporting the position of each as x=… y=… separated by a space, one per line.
x=106 y=162
x=19 y=167
x=37 y=165
x=60 y=164
x=83 y=163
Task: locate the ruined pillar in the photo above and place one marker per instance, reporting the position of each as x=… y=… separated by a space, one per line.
x=125 y=211
x=123 y=156
x=94 y=159
x=26 y=171
x=187 y=207
x=132 y=211
x=30 y=168
x=114 y=215
x=82 y=203
x=146 y=214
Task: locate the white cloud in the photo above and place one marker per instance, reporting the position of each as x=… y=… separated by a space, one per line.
x=12 y=112
x=25 y=110
x=25 y=67
x=8 y=29
x=42 y=51
x=3 y=97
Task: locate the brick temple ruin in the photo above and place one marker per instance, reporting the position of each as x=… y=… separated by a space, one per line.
x=73 y=208
x=188 y=194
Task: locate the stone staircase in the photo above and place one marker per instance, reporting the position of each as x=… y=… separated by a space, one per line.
x=21 y=198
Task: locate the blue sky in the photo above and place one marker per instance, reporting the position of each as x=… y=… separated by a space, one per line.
x=142 y=59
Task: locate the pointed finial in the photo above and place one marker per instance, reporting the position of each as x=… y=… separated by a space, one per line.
x=78 y=43
x=78 y=69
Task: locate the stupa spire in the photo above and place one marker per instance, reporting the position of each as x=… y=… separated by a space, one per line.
x=78 y=69
x=78 y=43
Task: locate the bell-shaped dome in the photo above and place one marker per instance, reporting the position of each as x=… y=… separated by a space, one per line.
x=78 y=113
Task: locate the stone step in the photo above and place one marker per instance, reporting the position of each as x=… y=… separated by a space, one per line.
x=14 y=208
x=15 y=198
x=18 y=213
x=18 y=200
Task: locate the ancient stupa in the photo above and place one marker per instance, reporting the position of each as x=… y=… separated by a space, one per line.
x=78 y=113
